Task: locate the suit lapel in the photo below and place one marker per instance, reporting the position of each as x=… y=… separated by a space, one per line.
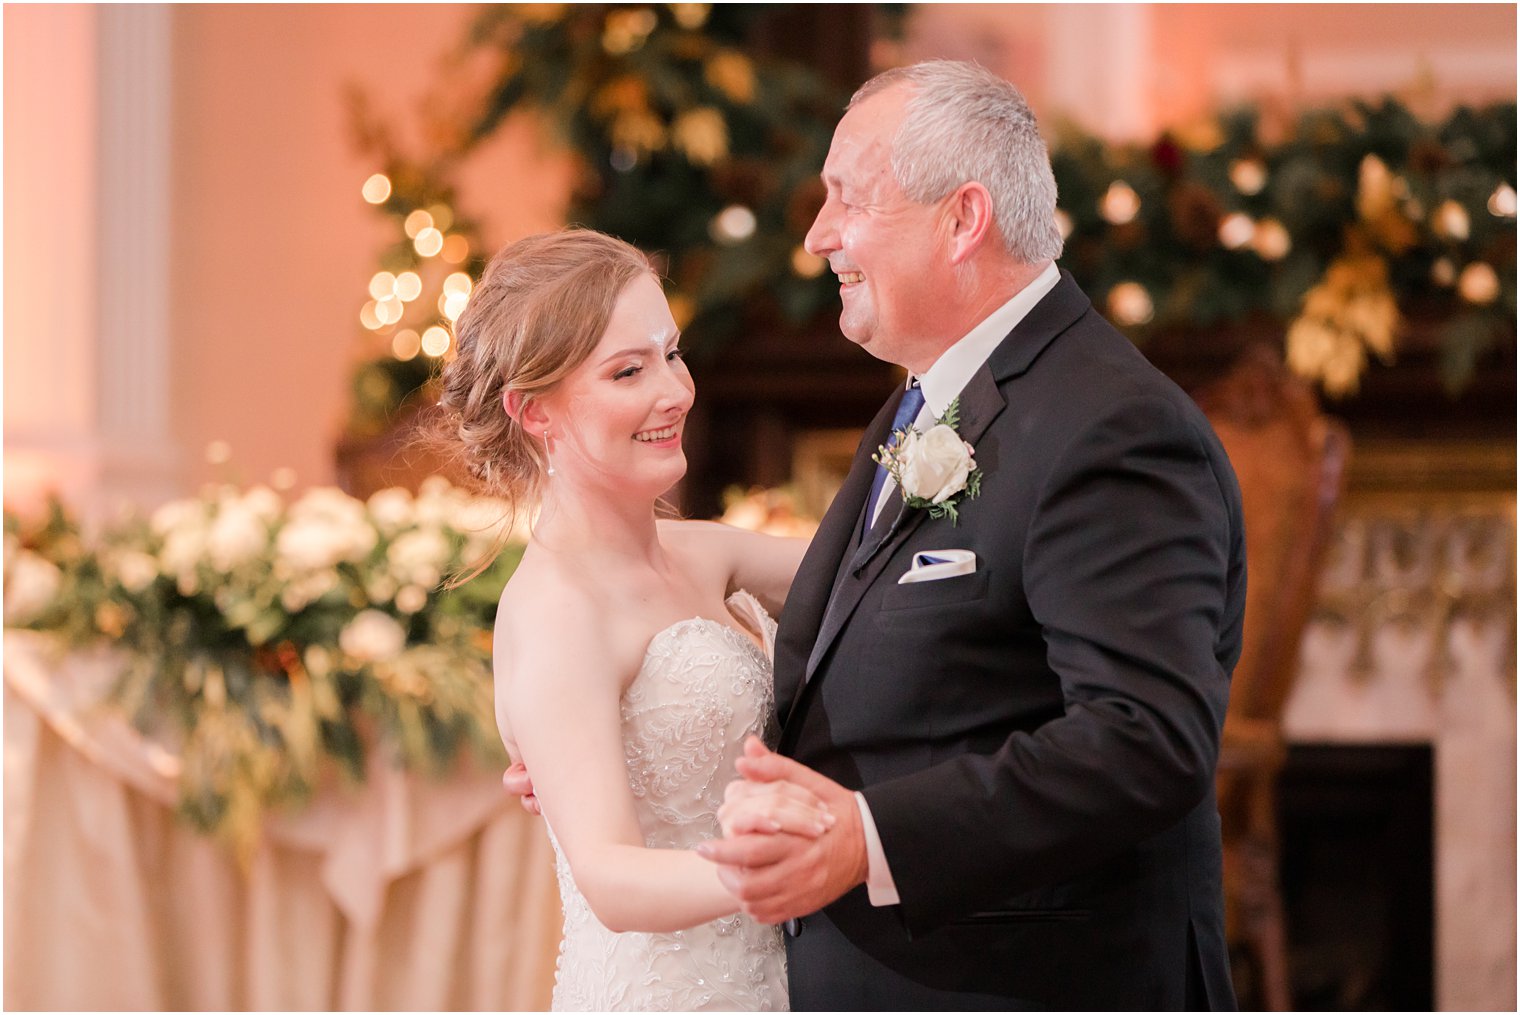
x=854 y=567
x=822 y=566
x=980 y=403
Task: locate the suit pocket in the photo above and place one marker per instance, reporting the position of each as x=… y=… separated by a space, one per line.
x=942 y=592
x=1022 y=916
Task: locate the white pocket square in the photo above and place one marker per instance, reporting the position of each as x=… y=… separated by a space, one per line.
x=934 y=565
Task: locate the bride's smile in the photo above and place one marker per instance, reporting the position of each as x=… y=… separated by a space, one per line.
x=617 y=420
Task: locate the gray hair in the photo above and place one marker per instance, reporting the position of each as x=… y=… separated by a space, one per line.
x=964 y=123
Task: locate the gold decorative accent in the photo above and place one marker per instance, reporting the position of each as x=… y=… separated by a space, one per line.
x=1423 y=561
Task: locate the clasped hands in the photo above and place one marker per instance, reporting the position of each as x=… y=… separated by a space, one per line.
x=792 y=841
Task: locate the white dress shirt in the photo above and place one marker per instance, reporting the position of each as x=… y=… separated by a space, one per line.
x=941 y=384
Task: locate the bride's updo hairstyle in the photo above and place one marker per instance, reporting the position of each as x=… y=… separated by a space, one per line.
x=538 y=311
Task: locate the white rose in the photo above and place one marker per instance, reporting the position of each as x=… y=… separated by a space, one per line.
x=237 y=536
x=437 y=502
x=30 y=587
x=391 y=508
x=309 y=544
x=263 y=502
x=935 y=464
x=178 y=514
x=135 y=570
x=380 y=586
x=372 y=637
x=411 y=598
x=418 y=557
x=182 y=551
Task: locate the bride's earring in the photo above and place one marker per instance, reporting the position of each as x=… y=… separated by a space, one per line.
x=547 y=458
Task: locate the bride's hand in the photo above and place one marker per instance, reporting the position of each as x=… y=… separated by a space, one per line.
x=770 y=807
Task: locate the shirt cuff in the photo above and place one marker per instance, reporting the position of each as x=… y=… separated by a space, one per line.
x=880 y=887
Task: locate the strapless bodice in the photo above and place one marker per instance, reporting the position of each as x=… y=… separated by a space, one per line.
x=703 y=687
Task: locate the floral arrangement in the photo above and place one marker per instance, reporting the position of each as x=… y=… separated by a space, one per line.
x=267 y=643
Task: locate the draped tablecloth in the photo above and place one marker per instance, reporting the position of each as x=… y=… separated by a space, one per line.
x=401 y=894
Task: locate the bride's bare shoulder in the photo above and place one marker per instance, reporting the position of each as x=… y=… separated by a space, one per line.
x=550 y=619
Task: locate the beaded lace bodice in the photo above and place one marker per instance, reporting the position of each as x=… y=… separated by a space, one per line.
x=703 y=687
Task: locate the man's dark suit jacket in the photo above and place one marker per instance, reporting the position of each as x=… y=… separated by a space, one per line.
x=1037 y=740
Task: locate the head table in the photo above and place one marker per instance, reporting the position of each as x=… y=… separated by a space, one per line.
x=400 y=893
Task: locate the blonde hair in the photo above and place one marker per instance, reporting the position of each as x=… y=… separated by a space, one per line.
x=538 y=311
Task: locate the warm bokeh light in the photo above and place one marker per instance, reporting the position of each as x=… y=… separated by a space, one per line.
x=1120 y=203
x=458 y=282
x=435 y=341
x=805 y=264
x=408 y=286
x=625 y=30
x=1501 y=203
x=428 y=242
x=283 y=478
x=218 y=453
x=1248 y=175
x=690 y=15
x=1479 y=283
x=733 y=224
x=682 y=309
x=451 y=305
x=1236 y=230
x=1130 y=304
x=1064 y=223
x=370 y=318
x=1271 y=241
x=406 y=345
x=1451 y=221
x=455 y=249
x=443 y=216
x=416 y=222
x=389 y=310
x=377 y=188
x=382 y=285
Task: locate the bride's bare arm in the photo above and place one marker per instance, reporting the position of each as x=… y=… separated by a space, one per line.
x=563 y=696
x=760 y=564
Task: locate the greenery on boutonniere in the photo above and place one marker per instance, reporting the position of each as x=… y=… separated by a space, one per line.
x=934 y=469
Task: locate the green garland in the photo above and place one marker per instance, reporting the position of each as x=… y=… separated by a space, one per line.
x=686 y=147
x=1334 y=230
x=1357 y=217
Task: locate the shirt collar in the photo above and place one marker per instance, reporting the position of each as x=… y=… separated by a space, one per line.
x=955 y=367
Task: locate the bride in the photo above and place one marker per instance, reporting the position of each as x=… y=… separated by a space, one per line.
x=631 y=655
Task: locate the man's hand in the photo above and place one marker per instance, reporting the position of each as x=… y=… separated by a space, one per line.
x=780 y=876
x=515 y=780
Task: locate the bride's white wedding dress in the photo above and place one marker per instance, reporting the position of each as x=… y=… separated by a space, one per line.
x=703 y=687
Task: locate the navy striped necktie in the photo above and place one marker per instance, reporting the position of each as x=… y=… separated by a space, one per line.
x=907 y=412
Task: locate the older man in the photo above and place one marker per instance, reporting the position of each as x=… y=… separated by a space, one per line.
x=1014 y=707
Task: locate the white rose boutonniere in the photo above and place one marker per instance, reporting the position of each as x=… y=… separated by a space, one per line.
x=934 y=469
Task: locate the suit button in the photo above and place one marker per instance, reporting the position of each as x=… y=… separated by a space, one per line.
x=793 y=927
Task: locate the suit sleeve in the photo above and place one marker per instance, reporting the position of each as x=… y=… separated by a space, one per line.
x=1127 y=569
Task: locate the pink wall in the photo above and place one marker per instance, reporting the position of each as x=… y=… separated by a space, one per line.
x=49 y=249
x=273 y=246
x=1134 y=69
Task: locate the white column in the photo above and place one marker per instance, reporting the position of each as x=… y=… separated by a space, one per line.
x=139 y=462
x=50 y=231
x=1098 y=69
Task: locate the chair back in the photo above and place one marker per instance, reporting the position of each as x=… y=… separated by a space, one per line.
x=1290 y=460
